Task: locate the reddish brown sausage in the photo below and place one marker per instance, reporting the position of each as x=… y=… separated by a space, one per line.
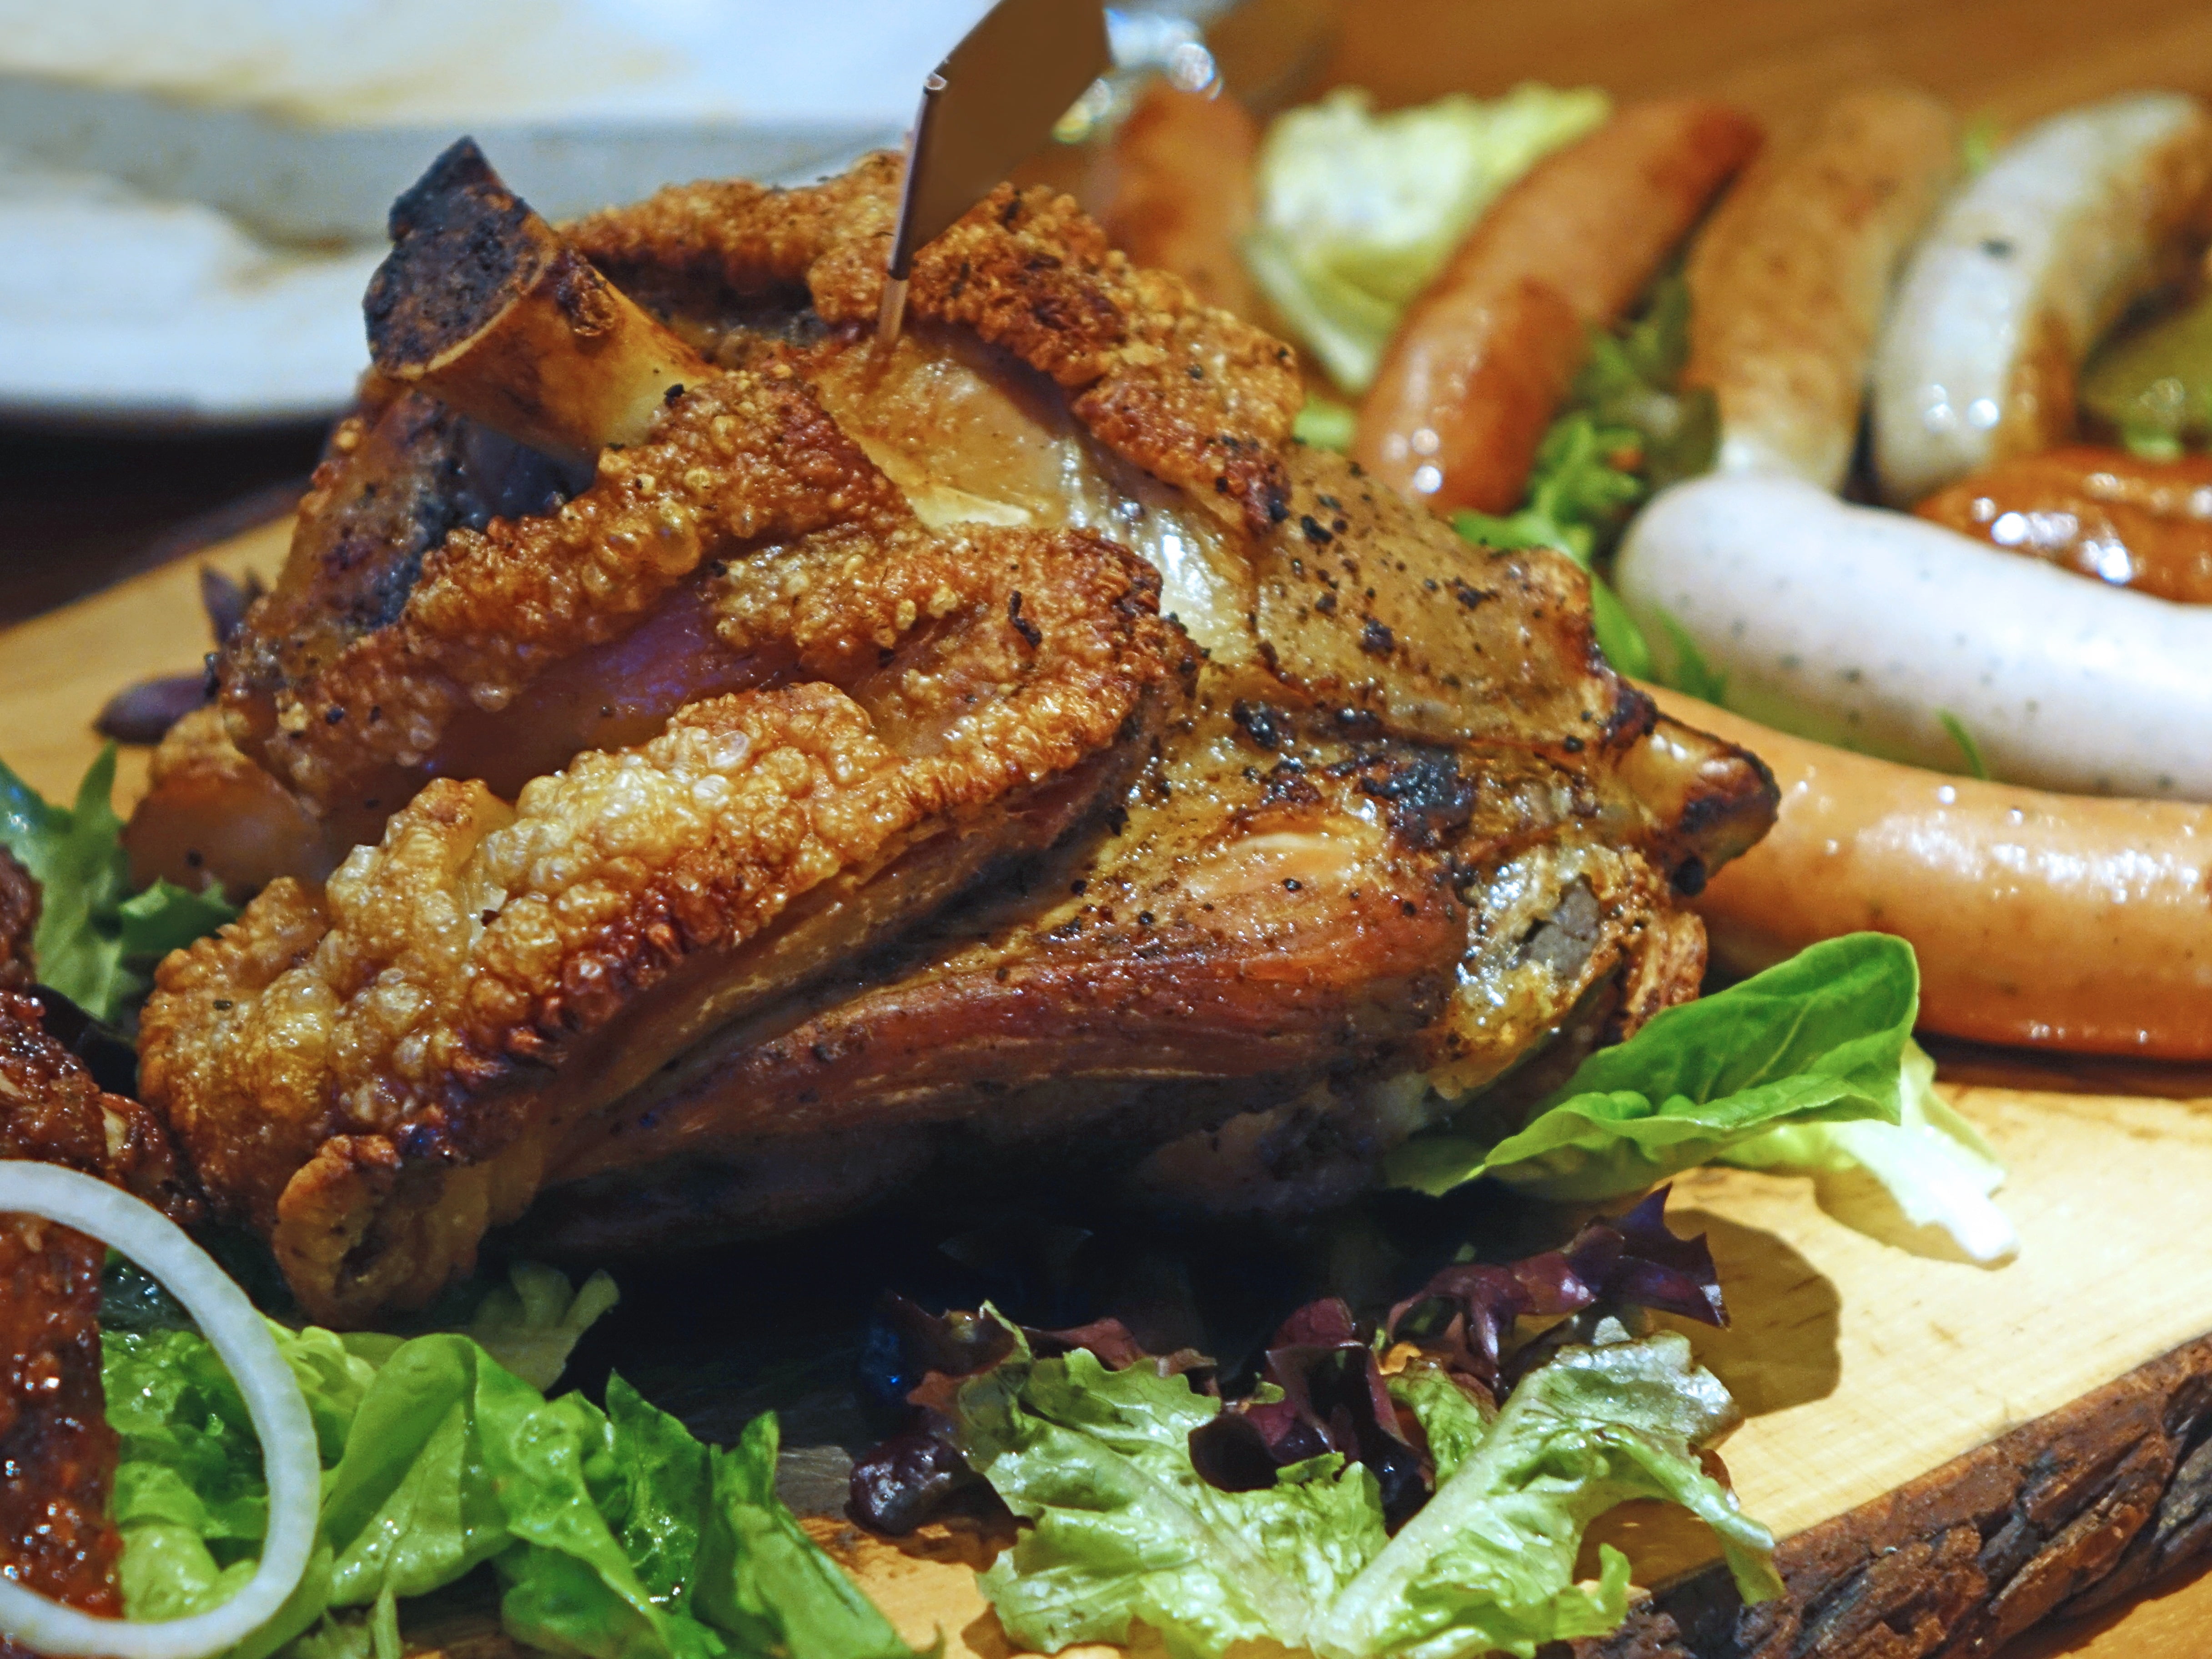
x=2077 y=922
x=1487 y=353
x=2100 y=513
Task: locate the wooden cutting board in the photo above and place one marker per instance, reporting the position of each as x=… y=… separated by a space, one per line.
x=1933 y=1439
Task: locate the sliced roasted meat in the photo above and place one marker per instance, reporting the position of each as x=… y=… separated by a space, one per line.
x=816 y=800
x=1298 y=910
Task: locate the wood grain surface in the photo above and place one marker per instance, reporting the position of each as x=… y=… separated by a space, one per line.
x=1899 y=1399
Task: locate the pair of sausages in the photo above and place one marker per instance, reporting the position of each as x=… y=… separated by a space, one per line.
x=1788 y=278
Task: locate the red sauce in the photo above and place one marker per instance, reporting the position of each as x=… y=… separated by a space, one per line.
x=56 y=1453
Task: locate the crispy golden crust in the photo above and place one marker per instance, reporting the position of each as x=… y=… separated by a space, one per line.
x=745 y=456
x=761 y=718
x=1190 y=393
x=429 y=997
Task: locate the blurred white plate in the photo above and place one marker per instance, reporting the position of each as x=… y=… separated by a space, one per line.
x=192 y=191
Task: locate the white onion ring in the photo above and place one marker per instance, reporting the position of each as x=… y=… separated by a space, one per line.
x=279 y=1410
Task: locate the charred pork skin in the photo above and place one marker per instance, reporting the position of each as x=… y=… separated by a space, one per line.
x=1004 y=743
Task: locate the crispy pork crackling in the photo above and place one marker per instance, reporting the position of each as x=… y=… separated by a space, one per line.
x=1006 y=744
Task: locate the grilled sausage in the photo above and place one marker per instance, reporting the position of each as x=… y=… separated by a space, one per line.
x=1789 y=278
x=2099 y=512
x=1488 y=351
x=2023 y=271
x=1866 y=627
x=2068 y=921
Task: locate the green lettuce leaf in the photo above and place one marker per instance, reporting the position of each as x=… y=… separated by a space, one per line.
x=663 y=1482
x=761 y=1579
x=1125 y=1534
x=411 y=1504
x=571 y=1586
x=1488 y=1563
x=89 y=926
x=1325 y=424
x=77 y=855
x=1452 y=1422
x=1357 y=211
x=1820 y=1039
x=1934 y=1165
x=166 y=917
x=531 y=1323
x=617 y=1534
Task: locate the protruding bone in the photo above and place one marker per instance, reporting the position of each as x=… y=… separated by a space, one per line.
x=484 y=305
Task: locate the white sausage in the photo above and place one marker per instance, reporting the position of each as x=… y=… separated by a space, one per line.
x=1862 y=627
x=2023 y=271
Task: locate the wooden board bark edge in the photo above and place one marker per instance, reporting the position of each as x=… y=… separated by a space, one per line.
x=2058 y=1517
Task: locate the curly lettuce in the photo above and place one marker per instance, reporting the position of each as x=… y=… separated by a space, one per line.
x=1126 y=1533
x=1358 y=210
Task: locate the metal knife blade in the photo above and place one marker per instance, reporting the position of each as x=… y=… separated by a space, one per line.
x=994 y=99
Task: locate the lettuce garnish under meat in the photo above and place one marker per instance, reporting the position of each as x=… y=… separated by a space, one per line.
x=1809 y=1066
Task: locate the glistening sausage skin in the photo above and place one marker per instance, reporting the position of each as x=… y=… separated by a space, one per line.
x=2074 y=922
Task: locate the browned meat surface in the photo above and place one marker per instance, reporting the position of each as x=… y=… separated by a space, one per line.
x=487 y=974
x=819 y=801
x=56 y=1453
x=209 y=808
